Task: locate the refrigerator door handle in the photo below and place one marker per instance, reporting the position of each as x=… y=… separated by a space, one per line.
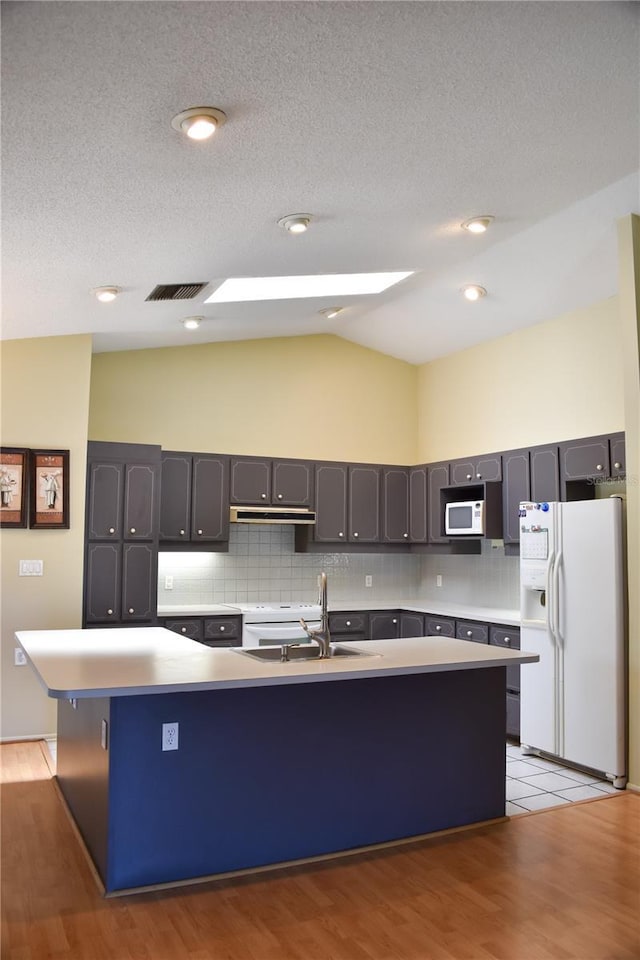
x=550 y=592
x=556 y=590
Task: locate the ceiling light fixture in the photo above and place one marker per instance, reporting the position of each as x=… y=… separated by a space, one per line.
x=331 y=312
x=106 y=294
x=295 y=222
x=477 y=224
x=474 y=292
x=199 y=123
x=238 y=289
x=191 y=323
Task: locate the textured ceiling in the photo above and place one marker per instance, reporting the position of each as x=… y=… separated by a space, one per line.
x=390 y=122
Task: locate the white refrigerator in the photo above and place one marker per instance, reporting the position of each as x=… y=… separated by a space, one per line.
x=573 y=702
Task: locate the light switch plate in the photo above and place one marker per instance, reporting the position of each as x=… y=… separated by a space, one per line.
x=31 y=568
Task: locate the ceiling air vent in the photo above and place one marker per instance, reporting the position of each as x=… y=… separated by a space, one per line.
x=176 y=291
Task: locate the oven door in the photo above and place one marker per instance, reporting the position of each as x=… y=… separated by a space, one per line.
x=268 y=634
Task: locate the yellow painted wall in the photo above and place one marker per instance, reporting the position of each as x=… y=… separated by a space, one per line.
x=317 y=396
x=45 y=401
x=554 y=381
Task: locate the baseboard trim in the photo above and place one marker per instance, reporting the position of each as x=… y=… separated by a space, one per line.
x=31 y=736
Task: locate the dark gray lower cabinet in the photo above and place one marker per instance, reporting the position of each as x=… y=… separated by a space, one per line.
x=509 y=638
x=120 y=582
x=412 y=625
x=349 y=626
x=469 y=630
x=439 y=626
x=225 y=631
x=384 y=626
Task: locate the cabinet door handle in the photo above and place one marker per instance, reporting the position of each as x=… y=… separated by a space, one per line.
x=347 y=623
x=182 y=533
x=405 y=535
x=279 y=496
x=394 y=620
x=341 y=534
x=438 y=628
x=112 y=529
x=599 y=466
x=199 y=533
x=478 y=476
x=469 y=633
x=507 y=641
x=132 y=530
x=263 y=496
x=468 y=476
x=131 y=610
x=183 y=629
x=617 y=464
x=222 y=629
x=110 y=612
x=355 y=534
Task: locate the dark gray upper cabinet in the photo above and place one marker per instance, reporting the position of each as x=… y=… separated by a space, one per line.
x=516 y=487
x=141 y=501
x=418 y=527
x=584 y=459
x=105 y=496
x=395 y=505
x=194 y=506
x=617 y=455
x=437 y=478
x=332 y=481
x=472 y=470
x=285 y=483
x=250 y=481
x=545 y=473
x=210 y=498
x=364 y=503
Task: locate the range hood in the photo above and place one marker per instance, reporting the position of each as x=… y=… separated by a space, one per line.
x=300 y=515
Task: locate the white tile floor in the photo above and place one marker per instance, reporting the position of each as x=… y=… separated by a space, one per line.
x=535 y=784
x=532 y=783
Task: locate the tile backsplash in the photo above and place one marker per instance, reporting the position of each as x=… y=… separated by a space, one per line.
x=261 y=565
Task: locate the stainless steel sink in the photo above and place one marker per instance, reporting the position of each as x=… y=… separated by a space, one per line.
x=295 y=654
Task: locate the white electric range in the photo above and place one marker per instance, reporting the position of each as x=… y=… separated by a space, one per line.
x=276 y=623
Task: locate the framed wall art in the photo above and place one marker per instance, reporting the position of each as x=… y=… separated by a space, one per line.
x=49 y=476
x=13 y=486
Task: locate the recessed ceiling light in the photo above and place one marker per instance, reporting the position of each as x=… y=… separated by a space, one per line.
x=473 y=291
x=199 y=123
x=191 y=323
x=295 y=222
x=106 y=294
x=239 y=289
x=331 y=312
x=477 y=224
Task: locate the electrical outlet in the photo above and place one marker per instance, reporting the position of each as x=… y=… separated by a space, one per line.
x=30 y=568
x=438 y=580
x=368 y=581
x=168 y=583
x=170 y=736
x=19 y=657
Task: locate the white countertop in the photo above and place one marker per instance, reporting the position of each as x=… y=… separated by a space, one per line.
x=147 y=660
x=461 y=611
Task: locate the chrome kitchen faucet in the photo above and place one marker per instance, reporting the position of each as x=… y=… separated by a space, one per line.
x=322 y=636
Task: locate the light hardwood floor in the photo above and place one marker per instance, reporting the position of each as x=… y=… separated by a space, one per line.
x=561 y=884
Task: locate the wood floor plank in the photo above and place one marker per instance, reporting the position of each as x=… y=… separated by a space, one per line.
x=563 y=884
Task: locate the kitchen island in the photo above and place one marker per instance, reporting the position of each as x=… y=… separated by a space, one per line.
x=275 y=762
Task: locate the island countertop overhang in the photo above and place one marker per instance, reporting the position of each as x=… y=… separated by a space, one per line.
x=153 y=660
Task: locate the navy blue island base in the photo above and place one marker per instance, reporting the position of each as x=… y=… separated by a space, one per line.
x=270 y=774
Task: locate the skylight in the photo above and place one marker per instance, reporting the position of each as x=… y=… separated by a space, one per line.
x=298 y=288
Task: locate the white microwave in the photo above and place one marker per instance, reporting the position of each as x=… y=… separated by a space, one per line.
x=464 y=518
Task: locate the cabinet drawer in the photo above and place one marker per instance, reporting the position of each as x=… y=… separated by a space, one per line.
x=348 y=623
x=439 y=626
x=223 y=628
x=191 y=627
x=467 y=630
